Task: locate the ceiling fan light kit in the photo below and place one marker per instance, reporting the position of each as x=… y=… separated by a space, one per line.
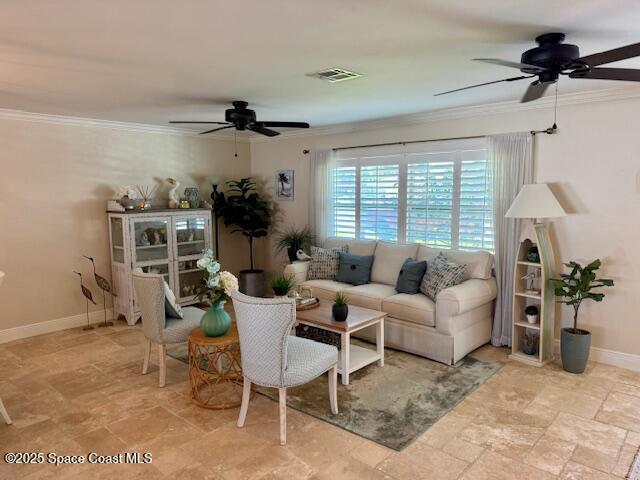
x=243 y=118
x=552 y=58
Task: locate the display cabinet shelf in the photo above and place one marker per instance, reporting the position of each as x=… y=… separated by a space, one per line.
x=534 y=276
x=166 y=242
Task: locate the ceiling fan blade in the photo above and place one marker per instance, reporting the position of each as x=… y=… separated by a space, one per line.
x=628 y=74
x=535 y=91
x=507 y=63
x=185 y=121
x=264 y=131
x=216 y=129
x=486 y=83
x=614 y=55
x=284 y=124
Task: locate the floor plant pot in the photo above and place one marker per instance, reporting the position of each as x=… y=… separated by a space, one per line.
x=252 y=282
x=292 y=253
x=340 y=312
x=216 y=321
x=574 y=349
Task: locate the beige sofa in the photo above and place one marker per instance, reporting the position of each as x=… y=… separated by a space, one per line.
x=446 y=330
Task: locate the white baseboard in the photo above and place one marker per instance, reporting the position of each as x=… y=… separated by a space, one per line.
x=31 y=330
x=610 y=357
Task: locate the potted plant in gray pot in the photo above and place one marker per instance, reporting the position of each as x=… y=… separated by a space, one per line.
x=573 y=288
x=246 y=212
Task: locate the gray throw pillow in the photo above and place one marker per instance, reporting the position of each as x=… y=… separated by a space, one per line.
x=410 y=276
x=324 y=263
x=171 y=306
x=354 y=269
x=441 y=274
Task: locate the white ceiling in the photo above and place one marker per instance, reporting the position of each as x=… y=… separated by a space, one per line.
x=151 y=61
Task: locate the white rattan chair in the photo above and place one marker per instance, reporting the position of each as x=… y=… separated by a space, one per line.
x=157 y=328
x=271 y=357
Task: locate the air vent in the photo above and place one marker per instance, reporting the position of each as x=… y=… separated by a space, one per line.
x=334 y=75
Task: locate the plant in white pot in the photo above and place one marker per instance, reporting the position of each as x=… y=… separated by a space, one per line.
x=573 y=288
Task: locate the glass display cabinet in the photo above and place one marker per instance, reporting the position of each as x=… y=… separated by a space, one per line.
x=165 y=242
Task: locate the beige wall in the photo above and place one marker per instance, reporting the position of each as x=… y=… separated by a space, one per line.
x=54 y=183
x=593 y=162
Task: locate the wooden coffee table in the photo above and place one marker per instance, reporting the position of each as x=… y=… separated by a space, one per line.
x=352 y=357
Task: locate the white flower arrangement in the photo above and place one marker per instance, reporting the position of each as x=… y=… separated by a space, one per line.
x=217 y=285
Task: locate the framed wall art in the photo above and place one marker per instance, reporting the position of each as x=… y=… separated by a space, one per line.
x=284 y=185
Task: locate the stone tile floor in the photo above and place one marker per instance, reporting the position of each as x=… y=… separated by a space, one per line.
x=73 y=392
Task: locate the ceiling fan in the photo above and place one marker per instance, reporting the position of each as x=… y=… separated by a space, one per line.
x=242 y=118
x=552 y=58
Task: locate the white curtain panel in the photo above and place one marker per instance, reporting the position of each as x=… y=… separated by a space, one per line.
x=510 y=155
x=320 y=192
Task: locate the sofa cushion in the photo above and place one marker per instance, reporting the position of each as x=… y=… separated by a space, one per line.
x=388 y=261
x=479 y=263
x=441 y=274
x=324 y=263
x=325 y=289
x=356 y=247
x=369 y=295
x=410 y=276
x=354 y=269
x=416 y=308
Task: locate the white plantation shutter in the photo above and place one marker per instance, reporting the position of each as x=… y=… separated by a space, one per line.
x=436 y=194
x=430 y=190
x=343 y=223
x=476 y=204
x=379 y=202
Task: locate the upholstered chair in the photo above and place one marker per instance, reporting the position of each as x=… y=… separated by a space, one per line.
x=272 y=357
x=158 y=328
x=3 y=411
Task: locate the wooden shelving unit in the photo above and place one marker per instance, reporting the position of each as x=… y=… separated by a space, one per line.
x=537 y=236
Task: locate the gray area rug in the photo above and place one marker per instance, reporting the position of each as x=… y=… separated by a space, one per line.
x=392 y=405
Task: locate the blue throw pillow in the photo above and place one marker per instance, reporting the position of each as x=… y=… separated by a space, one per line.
x=410 y=276
x=354 y=269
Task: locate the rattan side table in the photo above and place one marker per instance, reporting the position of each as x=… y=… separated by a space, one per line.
x=215 y=373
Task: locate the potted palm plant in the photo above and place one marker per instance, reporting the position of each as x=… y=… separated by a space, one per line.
x=246 y=212
x=293 y=239
x=573 y=288
x=281 y=285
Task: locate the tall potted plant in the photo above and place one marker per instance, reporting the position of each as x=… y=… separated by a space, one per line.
x=293 y=239
x=246 y=212
x=573 y=288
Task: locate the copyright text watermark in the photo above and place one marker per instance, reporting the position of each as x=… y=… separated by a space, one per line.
x=92 y=457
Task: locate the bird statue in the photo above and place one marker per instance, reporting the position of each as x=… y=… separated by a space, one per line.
x=89 y=298
x=303 y=257
x=105 y=286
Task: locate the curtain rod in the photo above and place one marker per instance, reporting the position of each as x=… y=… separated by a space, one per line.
x=550 y=130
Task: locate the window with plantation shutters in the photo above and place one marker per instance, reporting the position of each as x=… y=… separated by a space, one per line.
x=436 y=194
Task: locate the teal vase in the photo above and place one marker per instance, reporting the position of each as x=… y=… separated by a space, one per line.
x=216 y=321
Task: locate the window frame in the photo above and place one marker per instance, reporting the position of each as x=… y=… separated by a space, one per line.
x=403 y=156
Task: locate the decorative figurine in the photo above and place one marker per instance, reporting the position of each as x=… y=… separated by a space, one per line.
x=174 y=201
x=533 y=255
x=218 y=204
x=88 y=298
x=105 y=286
x=530 y=277
x=303 y=257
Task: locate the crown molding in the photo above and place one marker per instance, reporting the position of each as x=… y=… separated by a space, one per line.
x=547 y=102
x=23 y=116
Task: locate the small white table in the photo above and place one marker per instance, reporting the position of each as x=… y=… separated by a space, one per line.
x=352 y=357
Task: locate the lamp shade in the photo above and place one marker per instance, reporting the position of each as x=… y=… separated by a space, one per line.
x=535 y=200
